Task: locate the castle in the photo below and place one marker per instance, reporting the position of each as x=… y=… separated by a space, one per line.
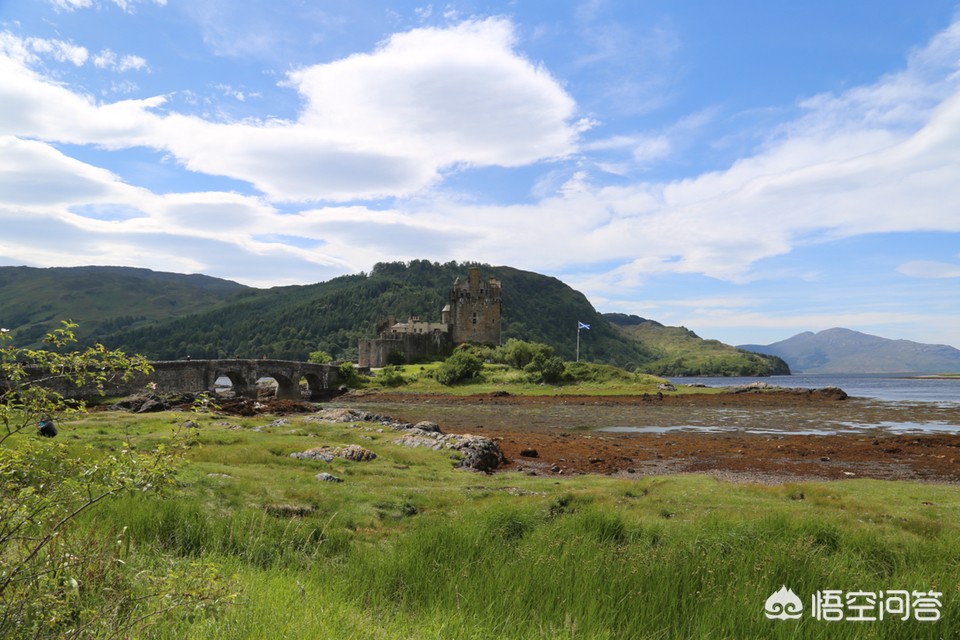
x=472 y=314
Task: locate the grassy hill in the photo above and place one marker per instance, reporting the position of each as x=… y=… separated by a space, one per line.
x=102 y=300
x=170 y=316
x=290 y=322
x=681 y=352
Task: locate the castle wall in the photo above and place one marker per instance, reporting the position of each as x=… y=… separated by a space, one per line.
x=375 y=352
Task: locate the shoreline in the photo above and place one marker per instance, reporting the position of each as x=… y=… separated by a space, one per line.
x=545 y=435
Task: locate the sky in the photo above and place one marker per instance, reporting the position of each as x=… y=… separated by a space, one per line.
x=748 y=169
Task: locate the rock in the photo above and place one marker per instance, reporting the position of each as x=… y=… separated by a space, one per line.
x=345 y=415
x=319 y=453
x=666 y=386
x=350 y=452
x=426 y=425
x=834 y=393
x=354 y=452
x=529 y=452
x=327 y=477
x=478 y=453
x=190 y=424
x=555 y=468
x=152 y=405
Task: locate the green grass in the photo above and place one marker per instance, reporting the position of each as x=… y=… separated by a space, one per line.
x=407 y=547
x=592 y=379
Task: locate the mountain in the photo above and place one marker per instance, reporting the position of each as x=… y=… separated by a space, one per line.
x=290 y=322
x=169 y=316
x=101 y=300
x=847 y=351
x=681 y=352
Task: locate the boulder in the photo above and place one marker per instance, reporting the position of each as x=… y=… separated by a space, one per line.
x=476 y=453
x=350 y=452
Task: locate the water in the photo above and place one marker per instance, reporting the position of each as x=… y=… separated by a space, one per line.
x=877 y=386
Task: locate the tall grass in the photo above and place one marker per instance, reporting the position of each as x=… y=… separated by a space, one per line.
x=408 y=548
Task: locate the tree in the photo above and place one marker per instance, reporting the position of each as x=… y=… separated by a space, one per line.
x=58 y=579
x=319 y=357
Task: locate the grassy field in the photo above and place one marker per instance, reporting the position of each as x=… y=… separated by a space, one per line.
x=408 y=547
x=591 y=379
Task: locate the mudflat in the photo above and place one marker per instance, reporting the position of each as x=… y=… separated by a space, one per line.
x=770 y=436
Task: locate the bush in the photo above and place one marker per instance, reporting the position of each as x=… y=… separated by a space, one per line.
x=462 y=365
x=390 y=376
x=349 y=376
x=546 y=367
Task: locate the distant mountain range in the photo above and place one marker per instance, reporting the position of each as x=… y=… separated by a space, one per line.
x=847 y=351
x=170 y=316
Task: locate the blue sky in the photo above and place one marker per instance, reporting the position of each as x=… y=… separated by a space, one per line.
x=746 y=169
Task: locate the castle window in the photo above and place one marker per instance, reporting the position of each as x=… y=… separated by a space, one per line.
x=474 y=317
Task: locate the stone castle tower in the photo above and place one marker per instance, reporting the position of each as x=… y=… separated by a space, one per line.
x=474 y=309
x=471 y=315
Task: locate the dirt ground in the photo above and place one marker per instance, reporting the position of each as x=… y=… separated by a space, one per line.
x=769 y=437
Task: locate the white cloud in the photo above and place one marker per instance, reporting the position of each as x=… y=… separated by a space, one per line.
x=375 y=125
x=107 y=59
x=128 y=6
x=394 y=121
x=930 y=269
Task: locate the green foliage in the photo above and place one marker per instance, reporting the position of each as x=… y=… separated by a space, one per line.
x=461 y=366
x=349 y=376
x=319 y=357
x=58 y=580
x=390 y=376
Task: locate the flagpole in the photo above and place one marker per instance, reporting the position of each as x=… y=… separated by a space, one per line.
x=578 y=341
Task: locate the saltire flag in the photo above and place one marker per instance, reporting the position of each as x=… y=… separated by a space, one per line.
x=581 y=325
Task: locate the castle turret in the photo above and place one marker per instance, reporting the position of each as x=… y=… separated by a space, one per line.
x=475 y=309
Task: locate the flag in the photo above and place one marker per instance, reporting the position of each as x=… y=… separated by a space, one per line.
x=581 y=325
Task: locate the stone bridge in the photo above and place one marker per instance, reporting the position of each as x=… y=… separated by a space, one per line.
x=202 y=375
x=171 y=376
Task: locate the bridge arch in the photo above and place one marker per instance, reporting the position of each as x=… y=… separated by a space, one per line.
x=238 y=380
x=288 y=385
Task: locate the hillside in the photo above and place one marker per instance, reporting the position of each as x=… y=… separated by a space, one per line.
x=846 y=351
x=290 y=322
x=102 y=300
x=681 y=352
x=170 y=316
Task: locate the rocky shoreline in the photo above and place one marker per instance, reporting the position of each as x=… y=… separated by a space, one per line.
x=769 y=436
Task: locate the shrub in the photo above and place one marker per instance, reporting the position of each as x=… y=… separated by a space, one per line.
x=462 y=365
x=390 y=376
x=349 y=376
